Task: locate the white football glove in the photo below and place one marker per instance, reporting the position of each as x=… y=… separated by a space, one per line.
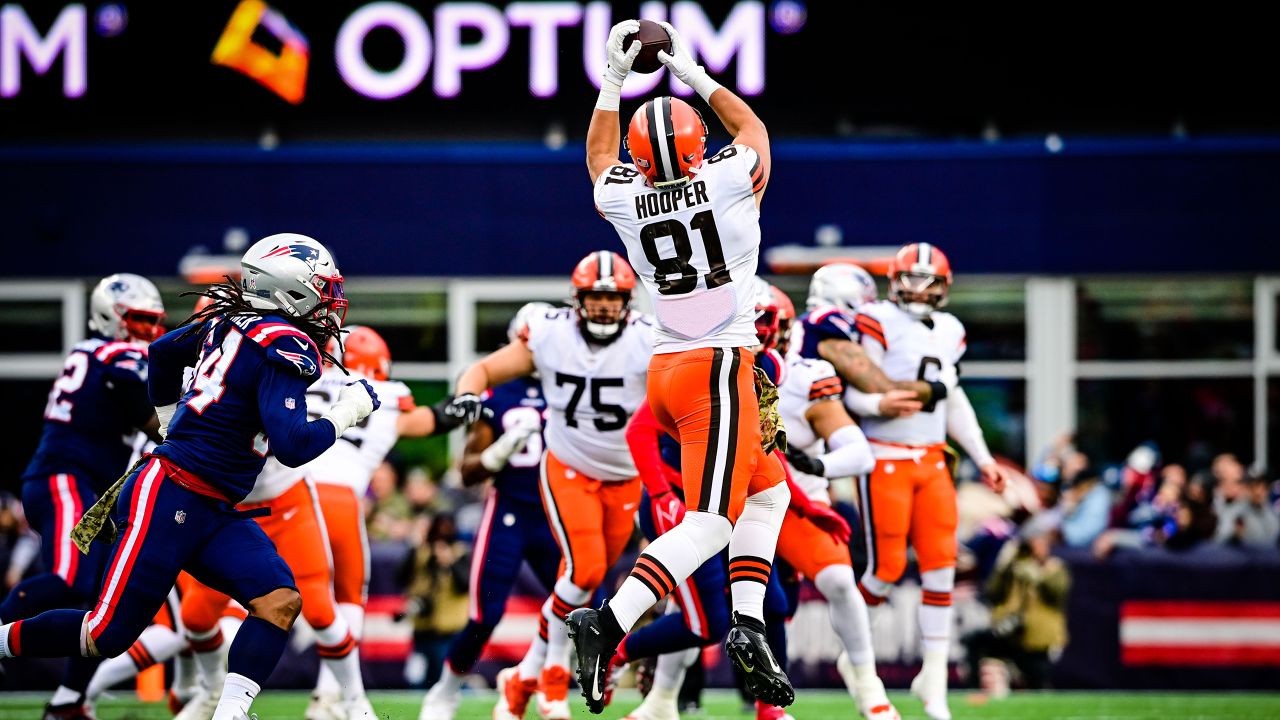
x=496 y=456
x=356 y=401
x=164 y=414
x=687 y=70
x=618 y=62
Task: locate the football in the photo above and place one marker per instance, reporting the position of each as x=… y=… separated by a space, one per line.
x=652 y=38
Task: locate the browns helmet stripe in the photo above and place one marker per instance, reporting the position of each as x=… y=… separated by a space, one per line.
x=670 y=131
x=924 y=254
x=660 y=162
x=604 y=263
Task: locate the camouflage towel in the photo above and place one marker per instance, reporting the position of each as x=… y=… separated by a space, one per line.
x=96 y=524
x=772 y=434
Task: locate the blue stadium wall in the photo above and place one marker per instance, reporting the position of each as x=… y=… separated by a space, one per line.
x=1137 y=206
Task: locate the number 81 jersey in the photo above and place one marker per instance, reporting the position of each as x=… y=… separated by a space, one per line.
x=591 y=391
x=695 y=247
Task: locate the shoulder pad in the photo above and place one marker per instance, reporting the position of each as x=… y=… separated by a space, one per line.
x=828 y=322
x=871 y=327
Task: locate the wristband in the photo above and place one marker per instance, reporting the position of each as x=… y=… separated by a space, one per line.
x=610 y=95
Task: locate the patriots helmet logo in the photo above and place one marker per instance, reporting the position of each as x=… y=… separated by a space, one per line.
x=118 y=287
x=305 y=253
x=306 y=366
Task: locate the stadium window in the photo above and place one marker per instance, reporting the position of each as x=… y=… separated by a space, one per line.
x=1191 y=419
x=411 y=321
x=31 y=325
x=1164 y=319
x=994 y=313
x=1001 y=406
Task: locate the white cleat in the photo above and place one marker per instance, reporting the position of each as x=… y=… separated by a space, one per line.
x=359 y=710
x=441 y=703
x=553 y=709
x=931 y=687
x=201 y=706
x=324 y=706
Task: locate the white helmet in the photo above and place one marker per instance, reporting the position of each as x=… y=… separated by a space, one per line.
x=844 y=285
x=293 y=274
x=520 y=322
x=125 y=306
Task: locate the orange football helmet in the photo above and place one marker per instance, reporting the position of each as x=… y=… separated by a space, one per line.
x=666 y=139
x=602 y=273
x=364 y=351
x=919 y=279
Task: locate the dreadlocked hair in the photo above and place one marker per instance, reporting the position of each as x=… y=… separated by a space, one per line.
x=227 y=300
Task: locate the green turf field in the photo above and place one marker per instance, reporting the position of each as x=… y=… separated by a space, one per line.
x=811 y=705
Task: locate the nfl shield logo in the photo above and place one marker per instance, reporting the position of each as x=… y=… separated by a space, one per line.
x=289 y=404
x=180 y=517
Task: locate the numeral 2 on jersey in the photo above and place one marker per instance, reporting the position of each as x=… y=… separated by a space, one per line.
x=616 y=414
x=685 y=274
x=72 y=377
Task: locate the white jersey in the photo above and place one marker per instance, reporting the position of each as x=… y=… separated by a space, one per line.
x=910 y=349
x=807 y=382
x=591 y=390
x=695 y=247
x=350 y=462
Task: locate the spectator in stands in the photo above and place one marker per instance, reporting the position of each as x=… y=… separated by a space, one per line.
x=389 y=515
x=436 y=576
x=19 y=547
x=1245 y=517
x=1085 y=504
x=1028 y=592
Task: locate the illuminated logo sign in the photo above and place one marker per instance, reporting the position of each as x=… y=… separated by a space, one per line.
x=282 y=71
x=740 y=37
x=19 y=40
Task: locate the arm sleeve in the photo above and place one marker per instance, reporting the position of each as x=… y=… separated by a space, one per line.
x=168 y=357
x=642 y=439
x=127 y=382
x=294 y=439
x=800 y=502
x=962 y=424
x=850 y=453
x=862 y=404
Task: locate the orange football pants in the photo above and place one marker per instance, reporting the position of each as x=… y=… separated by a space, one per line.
x=344 y=521
x=911 y=500
x=808 y=548
x=706 y=400
x=296 y=528
x=591 y=519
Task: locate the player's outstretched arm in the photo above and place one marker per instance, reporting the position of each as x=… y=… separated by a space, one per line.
x=282 y=405
x=479 y=438
x=738 y=118
x=604 y=135
x=503 y=365
x=858 y=369
x=962 y=425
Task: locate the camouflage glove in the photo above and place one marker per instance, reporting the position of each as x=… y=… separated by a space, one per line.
x=96 y=523
x=772 y=433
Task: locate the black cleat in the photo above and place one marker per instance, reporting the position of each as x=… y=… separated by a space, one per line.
x=763 y=676
x=69 y=711
x=594 y=655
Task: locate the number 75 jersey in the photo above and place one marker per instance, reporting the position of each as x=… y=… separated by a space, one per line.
x=695 y=247
x=591 y=391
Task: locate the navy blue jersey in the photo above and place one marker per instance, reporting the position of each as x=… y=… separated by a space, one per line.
x=247 y=397
x=94 y=408
x=824 y=323
x=522 y=396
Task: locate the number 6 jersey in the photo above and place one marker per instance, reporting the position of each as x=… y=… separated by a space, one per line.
x=591 y=390
x=695 y=247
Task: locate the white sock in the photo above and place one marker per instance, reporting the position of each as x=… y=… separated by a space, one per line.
x=185 y=674
x=531 y=665
x=238 y=693
x=326 y=683
x=4 y=641
x=210 y=664
x=669 y=674
x=450 y=682
x=935 y=613
x=354 y=615
x=754 y=540
x=64 y=696
x=160 y=642
x=344 y=668
x=848 y=612
x=669 y=561
x=570 y=595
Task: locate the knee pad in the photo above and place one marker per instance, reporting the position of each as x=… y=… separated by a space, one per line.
x=708 y=532
x=570 y=593
x=874 y=590
x=774 y=500
x=334 y=633
x=836 y=583
x=940 y=580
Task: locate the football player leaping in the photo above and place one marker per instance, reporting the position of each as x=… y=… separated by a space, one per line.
x=256 y=350
x=99 y=397
x=910 y=493
x=691 y=228
x=592 y=360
